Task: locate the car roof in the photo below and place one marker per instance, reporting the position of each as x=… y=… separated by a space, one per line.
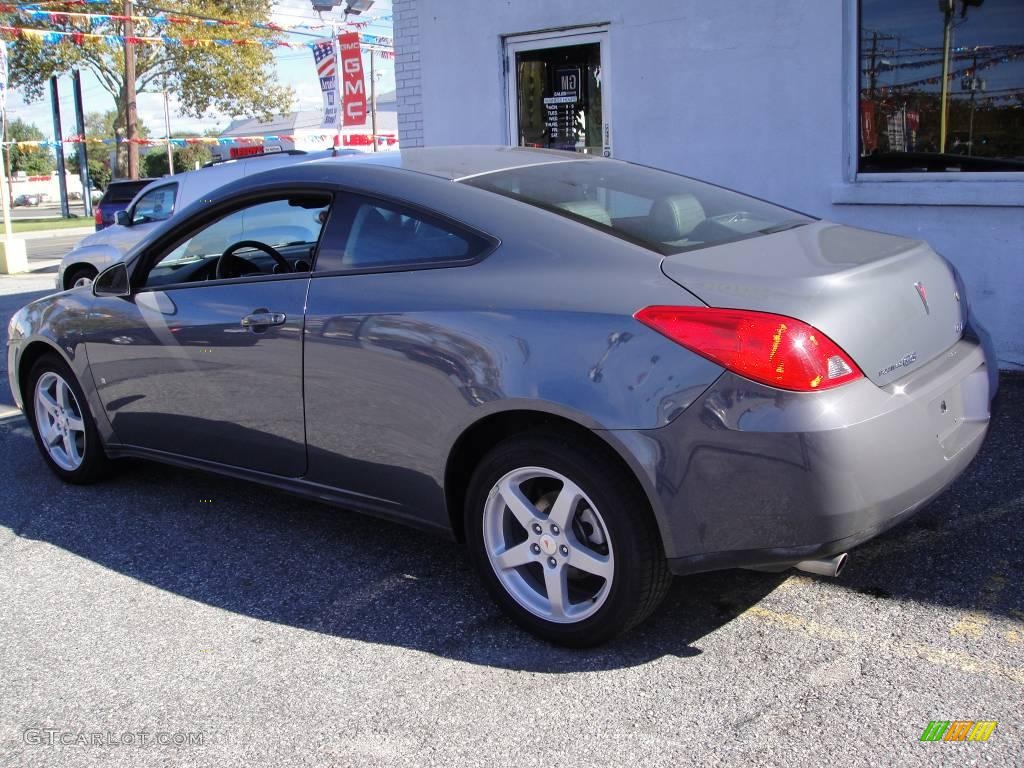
x=460 y=162
x=200 y=181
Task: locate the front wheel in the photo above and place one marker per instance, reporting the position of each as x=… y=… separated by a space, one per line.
x=80 y=276
x=64 y=429
x=564 y=540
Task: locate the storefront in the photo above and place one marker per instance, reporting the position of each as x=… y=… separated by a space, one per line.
x=837 y=109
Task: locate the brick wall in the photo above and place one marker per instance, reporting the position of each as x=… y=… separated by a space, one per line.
x=407 y=72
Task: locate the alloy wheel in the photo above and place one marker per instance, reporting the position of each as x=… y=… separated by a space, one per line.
x=59 y=419
x=548 y=545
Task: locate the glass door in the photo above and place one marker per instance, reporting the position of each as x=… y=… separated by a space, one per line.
x=557 y=93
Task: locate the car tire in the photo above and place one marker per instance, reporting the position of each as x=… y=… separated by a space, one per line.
x=80 y=276
x=64 y=428
x=605 y=564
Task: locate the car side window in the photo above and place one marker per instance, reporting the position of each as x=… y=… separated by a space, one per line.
x=155 y=205
x=381 y=235
x=271 y=237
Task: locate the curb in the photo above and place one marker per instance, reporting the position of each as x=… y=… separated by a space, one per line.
x=51 y=233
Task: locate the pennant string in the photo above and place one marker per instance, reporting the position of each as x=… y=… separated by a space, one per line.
x=388 y=139
x=55 y=37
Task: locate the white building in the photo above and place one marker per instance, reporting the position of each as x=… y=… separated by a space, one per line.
x=802 y=102
x=46 y=185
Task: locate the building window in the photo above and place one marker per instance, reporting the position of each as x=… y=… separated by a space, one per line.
x=941 y=86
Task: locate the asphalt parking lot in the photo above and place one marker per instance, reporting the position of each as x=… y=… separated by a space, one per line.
x=287 y=633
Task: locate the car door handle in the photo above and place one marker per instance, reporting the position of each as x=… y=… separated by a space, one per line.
x=262 y=318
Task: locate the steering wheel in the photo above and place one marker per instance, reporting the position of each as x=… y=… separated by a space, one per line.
x=229 y=257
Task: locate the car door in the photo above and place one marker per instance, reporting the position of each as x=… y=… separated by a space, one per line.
x=384 y=373
x=208 y=364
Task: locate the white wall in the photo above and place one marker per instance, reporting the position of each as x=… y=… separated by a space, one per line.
x=752 y=94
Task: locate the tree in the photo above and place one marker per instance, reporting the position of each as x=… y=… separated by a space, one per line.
x=185 y=158
x=35 y=161
x=236 y=80
x=106 y=127
x=99 y=168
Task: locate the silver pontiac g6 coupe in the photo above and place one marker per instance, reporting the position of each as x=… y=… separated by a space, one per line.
x=592 y=374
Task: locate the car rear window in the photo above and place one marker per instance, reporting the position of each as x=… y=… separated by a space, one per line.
x=659 y=210
x=123 y=192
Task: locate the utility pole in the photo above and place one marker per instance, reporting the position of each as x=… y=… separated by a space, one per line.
x=947 y=39
x=338 y=79
x=167 y=130
x=83 y=152
x=58 y=138
x=130 y=114
x=872 y=73
x=976 y=85
x=7 y=159
x=373 y=102
x=6 y=201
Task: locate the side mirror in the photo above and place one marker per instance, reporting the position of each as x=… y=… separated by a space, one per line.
x=113 y=281
x=123 y=218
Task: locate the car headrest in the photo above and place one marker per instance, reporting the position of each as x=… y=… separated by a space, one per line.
x=674 y=218
x=588 y=209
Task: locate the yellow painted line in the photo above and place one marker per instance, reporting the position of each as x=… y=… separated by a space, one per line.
x=971 y=625
x=965 y=663
x=1014 y=637
x=961 y=662
x=974 y=622
x=795 y=581
x=789 y=621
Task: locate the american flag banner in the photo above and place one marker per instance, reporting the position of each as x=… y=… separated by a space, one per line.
x=327 y=71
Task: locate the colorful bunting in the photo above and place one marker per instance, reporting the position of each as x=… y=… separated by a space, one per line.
x=36 y=13
x=53 y=37
x=352 y=139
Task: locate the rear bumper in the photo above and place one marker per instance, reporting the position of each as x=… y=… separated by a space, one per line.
x=751 y=476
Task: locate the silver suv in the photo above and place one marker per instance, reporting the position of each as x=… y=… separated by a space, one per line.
x=160 y=200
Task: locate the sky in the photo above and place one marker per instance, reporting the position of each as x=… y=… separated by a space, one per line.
x=293 y=66
x=919 y=24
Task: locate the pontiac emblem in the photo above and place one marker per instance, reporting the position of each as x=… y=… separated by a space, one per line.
x=924 y=296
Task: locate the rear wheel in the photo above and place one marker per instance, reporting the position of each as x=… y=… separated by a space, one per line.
x=64 y=429
x=564 y=541
x=80 y=276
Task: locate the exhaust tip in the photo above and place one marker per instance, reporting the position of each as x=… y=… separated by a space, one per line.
x=841 y=563
x=826 y=566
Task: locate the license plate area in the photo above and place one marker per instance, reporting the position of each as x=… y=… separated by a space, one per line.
x=947 y=412
x=960 y=411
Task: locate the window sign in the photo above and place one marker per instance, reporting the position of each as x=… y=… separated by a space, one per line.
x=559 y=98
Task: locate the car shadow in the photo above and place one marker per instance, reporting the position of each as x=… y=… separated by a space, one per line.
x=261 y=553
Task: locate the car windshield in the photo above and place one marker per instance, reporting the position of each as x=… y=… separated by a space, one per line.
x=662 y=211
x=123 y=192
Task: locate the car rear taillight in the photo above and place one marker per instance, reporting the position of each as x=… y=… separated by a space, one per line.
x=98 y=217
x=772 y=349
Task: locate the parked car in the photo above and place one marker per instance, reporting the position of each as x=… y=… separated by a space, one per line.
x=592 y=374
x=119 y=193
x=27 y=200
x=153 y=201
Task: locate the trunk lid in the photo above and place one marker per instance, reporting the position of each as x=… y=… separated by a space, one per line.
x=889 y=302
